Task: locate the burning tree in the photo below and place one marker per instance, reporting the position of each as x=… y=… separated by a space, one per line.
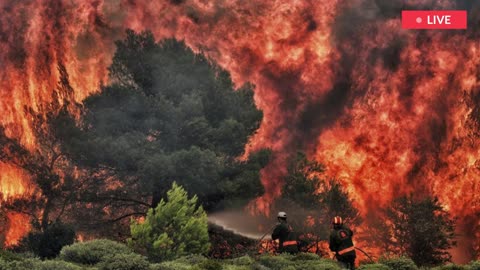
x=419 y=228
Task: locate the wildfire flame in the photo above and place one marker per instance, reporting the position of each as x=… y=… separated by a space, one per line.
x=388 y=111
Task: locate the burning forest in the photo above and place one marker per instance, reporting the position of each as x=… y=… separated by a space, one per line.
x=317 y=108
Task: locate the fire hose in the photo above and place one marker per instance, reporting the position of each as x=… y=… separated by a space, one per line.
x=268 y=231
x=366 y=254
x=361 y=250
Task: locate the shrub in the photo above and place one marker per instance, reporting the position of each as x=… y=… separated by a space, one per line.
x=171 y=265
x=244 y=260
x=57 y=265
x=48 y=243
x=276 y=262
x=474 y=265
x=319 y=264
x=257 y=266
x=28 y=264
x=451 y=266
x=305 y=257
x=192 y=259
x=374 y=266
x=210 y=265
x=175 y=228
x=8 y=256
x=124 y=261
x=236 y=267
x=92 y=252
x=400 y=263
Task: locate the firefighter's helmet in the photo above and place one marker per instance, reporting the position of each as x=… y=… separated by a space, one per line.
x=337 y=220
x=282 y=215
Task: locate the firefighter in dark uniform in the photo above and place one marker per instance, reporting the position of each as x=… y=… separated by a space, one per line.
x=285 y=235
x=341 y=243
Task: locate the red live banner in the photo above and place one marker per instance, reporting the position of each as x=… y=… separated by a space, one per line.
x=434 y=19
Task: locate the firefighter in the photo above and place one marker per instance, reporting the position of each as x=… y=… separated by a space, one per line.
x=284 y=233
x=341 y=243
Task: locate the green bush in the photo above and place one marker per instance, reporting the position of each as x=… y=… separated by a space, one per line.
x=244 y=260
x=192 y=259
x=236 y=267
x=400 y=263
x=257 y=266
x=124 y=261
x=319 y=264
x=28 y=264
x=279 y=262
x=8 y=256
x=474 y=265
x=305 y=257
x=171 y=265
x=175 y=228
x=451 y=266
x=374 y=266
x=57 y=265
x=92 y=252
x=210 y=265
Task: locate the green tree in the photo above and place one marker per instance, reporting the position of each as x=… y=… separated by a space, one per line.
x=420 y=229
x=169 y=115
x=176 y=227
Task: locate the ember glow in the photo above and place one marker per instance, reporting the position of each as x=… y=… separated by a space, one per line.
x=388 y=111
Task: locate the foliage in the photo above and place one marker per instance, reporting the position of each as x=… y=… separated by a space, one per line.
x=474 y=265
x=236 y=267
x=169 y=115
x=302 y=182
x=57 y=265
x=9 y=256
x=305 y=256
x=192 y=259
x=210 y=265
x=321 y=264
x=129 y=261
x=451 y=266
x=374 y=266
x=48 y=243
x=244 y=260
x=92 y=252
x=400 y=263
x=28 y=264
x=422 y=230
x=176 y=227
x=276 y=262
x=178 y=264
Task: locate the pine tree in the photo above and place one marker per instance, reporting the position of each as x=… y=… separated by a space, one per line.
x=421 y=229
x=174 y=228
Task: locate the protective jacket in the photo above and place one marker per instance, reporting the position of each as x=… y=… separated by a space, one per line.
x=341 y=241
x=286 y=236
